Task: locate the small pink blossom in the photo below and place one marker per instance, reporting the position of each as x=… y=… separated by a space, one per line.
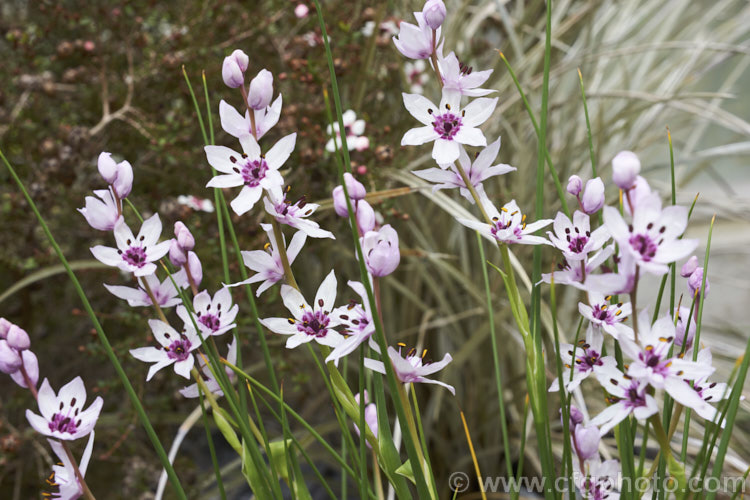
x=135 y=254
x=411 y=367
x=62 y=414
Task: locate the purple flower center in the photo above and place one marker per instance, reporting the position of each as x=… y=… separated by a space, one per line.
x=179 y=350
x=254 y=171
x=644 y=245
x=588 y=360
x=634 y=397
x=211 y=321
x=314 y=323
x=447 y=125
x=63 y=423
x=135 y=256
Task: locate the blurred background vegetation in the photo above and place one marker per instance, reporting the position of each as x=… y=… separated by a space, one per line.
x=81 y=77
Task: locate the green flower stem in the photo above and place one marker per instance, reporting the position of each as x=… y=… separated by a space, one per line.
x=143 y=417
x=279 y=237
x=412 y=428
x=154 y=302
x=211 y=449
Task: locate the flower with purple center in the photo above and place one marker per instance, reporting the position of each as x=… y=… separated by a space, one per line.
x=62 y=414
x=605 y=315
x=653 y=237
x=134 y=254
x=176 y=348
x=358 y=324
x=64 y=475
x=628 y=396
x=411 y=367
x=508 y=225
x=447 y=177
x=214 y=316
x=251 y=170
x=447 y=125
x=267 y=263
x=600 y=479
x=580 y=275
x=575 y=239
x=461 y=78
x=653 y=365
x=164 y=292
x=191 y=391
x=580 y=361
x=316 y=323
x=237 y=125
x=295 y=214
x=417 y=42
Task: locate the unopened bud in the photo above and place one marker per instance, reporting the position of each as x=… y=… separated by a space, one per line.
x=434 y=13
x=261 y=90
x=625 y=169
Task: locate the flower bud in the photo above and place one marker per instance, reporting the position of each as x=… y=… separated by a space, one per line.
x=575 y=184
x=365 y=217
x=689 y=267
x=184 y=236
x=356 y=190
x=434 y=13
x=18 y=339
x=301 y=10
x=625 y=169
x=31 y=366
x=233 y=69
x=694 y=283
x=176 y=255
x=196 y=269
x=4 y=327
x=576 y=417
x=593 y=196
x=587 y=441
x=261 y=90
x=107 y=167
x=339 y=202
x=381 y=252
x=123 y=183
x=10 y=360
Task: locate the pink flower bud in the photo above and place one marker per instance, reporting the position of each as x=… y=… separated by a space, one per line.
x=196 y=269
x=575 y=184
x=241 y=58
x=10 y=360
x=689 y=267
x=694 y=283
x=381 y=252
x=576 y=417
x=684 y=322
x=4 y=327
x=184 y=236
x=625 y=169
x=18 y=339
x=434 y=13
x=261 y=90
x=365 y=217
x=31 y=366
x=301 y=11
x=231 y=71
x=339 y=202
x=586 y=441
x=176 y=255
x=593 y=196
x=107 y=167
x=356 y=190
x=123 y=183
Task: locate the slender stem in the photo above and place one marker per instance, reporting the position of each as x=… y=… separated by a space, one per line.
x=191 y=280
x=81 y=480
x=279 y=237
x=377 y=478
x=376 y=291
x=154 y=302
x=434 y=58
x=633 y=297
x=250 y=111
x=660 y=435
